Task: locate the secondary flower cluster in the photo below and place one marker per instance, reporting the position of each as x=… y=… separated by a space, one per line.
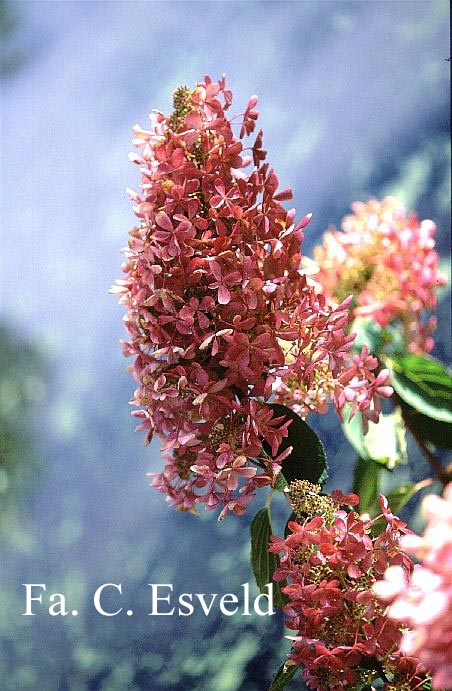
x=220 y=314
x=330 y=560
x=423 y=601
x=387 y=260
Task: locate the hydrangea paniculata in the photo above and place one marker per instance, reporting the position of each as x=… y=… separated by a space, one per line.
x=422 y=600
x=387 y=260
x=330 y=559
x=220 y=315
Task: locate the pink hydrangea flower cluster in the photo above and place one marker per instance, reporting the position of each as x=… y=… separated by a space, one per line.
x=387 y=260
x=422 y=600
x=360 y=385
x=330 y=560
x=219 y=312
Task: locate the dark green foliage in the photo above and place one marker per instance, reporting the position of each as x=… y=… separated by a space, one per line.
x=284 y=674
x=307 y=461
x=263 y=562
x=424 y=384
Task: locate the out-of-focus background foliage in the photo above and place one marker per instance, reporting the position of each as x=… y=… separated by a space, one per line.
x=354 y=99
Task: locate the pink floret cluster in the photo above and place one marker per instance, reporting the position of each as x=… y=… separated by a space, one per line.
x=422 y=600
x=330 y=561
x=220 y=315
x=387 y=260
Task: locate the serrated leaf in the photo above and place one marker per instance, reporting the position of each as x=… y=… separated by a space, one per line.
x=384 y=443
x=263 y=562
x=307 y=460
x=284 y=674
x=366 y=484
x=425 y=384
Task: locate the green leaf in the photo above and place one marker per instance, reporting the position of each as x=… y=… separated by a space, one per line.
x=281 y=483
x=263 y=562
x=367 y=333
x=399 y=496
x=307 y=461
x=436 y=432
x=425 y=384
x=366 y=483
x=384 y=443
x=284 y=674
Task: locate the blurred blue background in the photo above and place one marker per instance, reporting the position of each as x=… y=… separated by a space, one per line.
x=354 y=100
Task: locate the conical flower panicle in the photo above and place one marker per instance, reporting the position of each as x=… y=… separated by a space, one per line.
x=219 y=313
